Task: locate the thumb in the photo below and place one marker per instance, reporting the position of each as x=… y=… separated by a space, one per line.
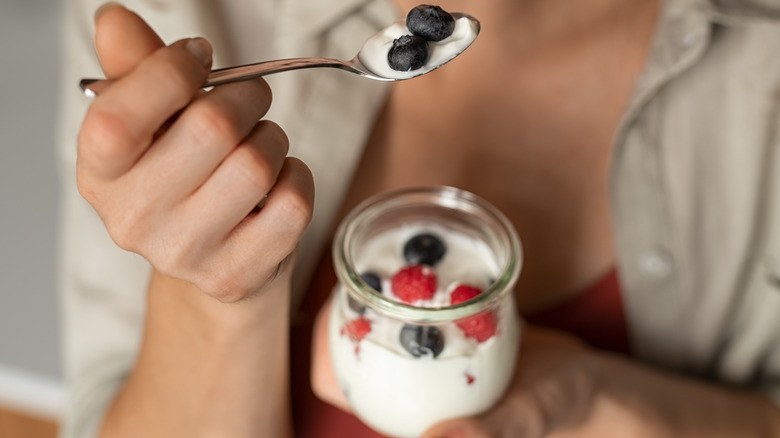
x=516 y=417
x=460 y=428
x=122 y=39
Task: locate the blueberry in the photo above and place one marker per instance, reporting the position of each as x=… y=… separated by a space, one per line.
x=373 y=280
x=426 y=249
x=430 y=22
x=409 y=52
x=421 y=340
x=355 y=305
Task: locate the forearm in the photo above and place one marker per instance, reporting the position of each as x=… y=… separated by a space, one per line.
x=638 y=401
x=207 y=368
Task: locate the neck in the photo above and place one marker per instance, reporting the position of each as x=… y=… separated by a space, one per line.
x=543 y=20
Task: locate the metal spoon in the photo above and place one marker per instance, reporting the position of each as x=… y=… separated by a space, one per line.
x=93 y=87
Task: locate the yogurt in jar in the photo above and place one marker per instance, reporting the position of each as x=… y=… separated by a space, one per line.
x=389 y=388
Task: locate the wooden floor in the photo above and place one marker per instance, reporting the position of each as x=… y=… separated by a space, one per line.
x=18 y=425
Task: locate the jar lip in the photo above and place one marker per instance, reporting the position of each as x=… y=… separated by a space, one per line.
x=444 y=196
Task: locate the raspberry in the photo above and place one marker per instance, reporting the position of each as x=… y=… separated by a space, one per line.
x=357 y=329
x=480 y=327
x=414 y=283
x=463 y=293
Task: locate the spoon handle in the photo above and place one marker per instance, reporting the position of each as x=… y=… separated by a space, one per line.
x=251 y=71
x=93 y=87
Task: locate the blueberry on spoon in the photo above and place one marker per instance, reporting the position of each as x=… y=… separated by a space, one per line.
x=409 y=52
x=430 y=22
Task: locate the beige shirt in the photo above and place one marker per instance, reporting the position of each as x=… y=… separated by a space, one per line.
x=695 y=188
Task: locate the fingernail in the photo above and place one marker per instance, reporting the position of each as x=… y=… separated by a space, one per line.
x=201 y=49
x=106 y=7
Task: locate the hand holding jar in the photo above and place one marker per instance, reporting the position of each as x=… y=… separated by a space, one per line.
x=423 y=325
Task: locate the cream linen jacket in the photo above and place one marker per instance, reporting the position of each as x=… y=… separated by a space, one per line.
x=695 y=183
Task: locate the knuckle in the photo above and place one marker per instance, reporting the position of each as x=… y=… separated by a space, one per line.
x=173 y=73
x=175 y=259
x=123 y=235
x=273 y=134
x=533 y=421
x=132 y=226
x=214 y=123
x=297 y=209
x=252 y=170
x=126 y=229
x=104 y=136
x=224 y=287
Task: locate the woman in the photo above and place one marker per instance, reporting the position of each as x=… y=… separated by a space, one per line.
x=629 y=140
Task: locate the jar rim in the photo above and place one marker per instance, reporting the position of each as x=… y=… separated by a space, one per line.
x=444 y=196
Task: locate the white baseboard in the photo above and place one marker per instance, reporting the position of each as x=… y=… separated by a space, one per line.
x=30 y=393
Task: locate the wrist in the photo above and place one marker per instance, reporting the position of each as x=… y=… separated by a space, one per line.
x=194 y=347
x=260 y=311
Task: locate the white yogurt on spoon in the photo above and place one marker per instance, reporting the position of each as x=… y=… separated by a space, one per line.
x=373 y=55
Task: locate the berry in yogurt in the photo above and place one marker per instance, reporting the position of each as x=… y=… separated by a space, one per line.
x=414 y=283
x=408 y=52
x=401 y=52
x=425 y=248
x=420 y=340
x=478 y=327
x=372 y=279
x=357 y=329
x=430 y=22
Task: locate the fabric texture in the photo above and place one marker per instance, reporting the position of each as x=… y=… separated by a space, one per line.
x=694 y=183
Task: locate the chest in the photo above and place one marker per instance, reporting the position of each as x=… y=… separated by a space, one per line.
x=531 y=131
x=514 y=140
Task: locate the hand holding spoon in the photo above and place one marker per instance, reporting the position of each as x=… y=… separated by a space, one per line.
x=370 y=62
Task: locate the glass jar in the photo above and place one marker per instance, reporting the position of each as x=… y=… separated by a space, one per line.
x=405 y=357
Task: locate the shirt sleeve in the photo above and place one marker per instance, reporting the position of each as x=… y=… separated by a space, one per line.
x=102 y=288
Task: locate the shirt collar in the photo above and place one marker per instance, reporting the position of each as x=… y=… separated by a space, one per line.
x=748 y=8
x=681 y=36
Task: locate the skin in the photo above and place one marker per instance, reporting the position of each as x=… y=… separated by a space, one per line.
x=214 y=330
x=218 y=283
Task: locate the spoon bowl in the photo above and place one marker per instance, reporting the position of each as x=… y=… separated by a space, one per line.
x=369 y=53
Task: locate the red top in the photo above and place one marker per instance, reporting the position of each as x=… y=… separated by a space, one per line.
x=595 y=316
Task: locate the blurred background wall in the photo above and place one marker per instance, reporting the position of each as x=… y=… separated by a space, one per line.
x=30 y=372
